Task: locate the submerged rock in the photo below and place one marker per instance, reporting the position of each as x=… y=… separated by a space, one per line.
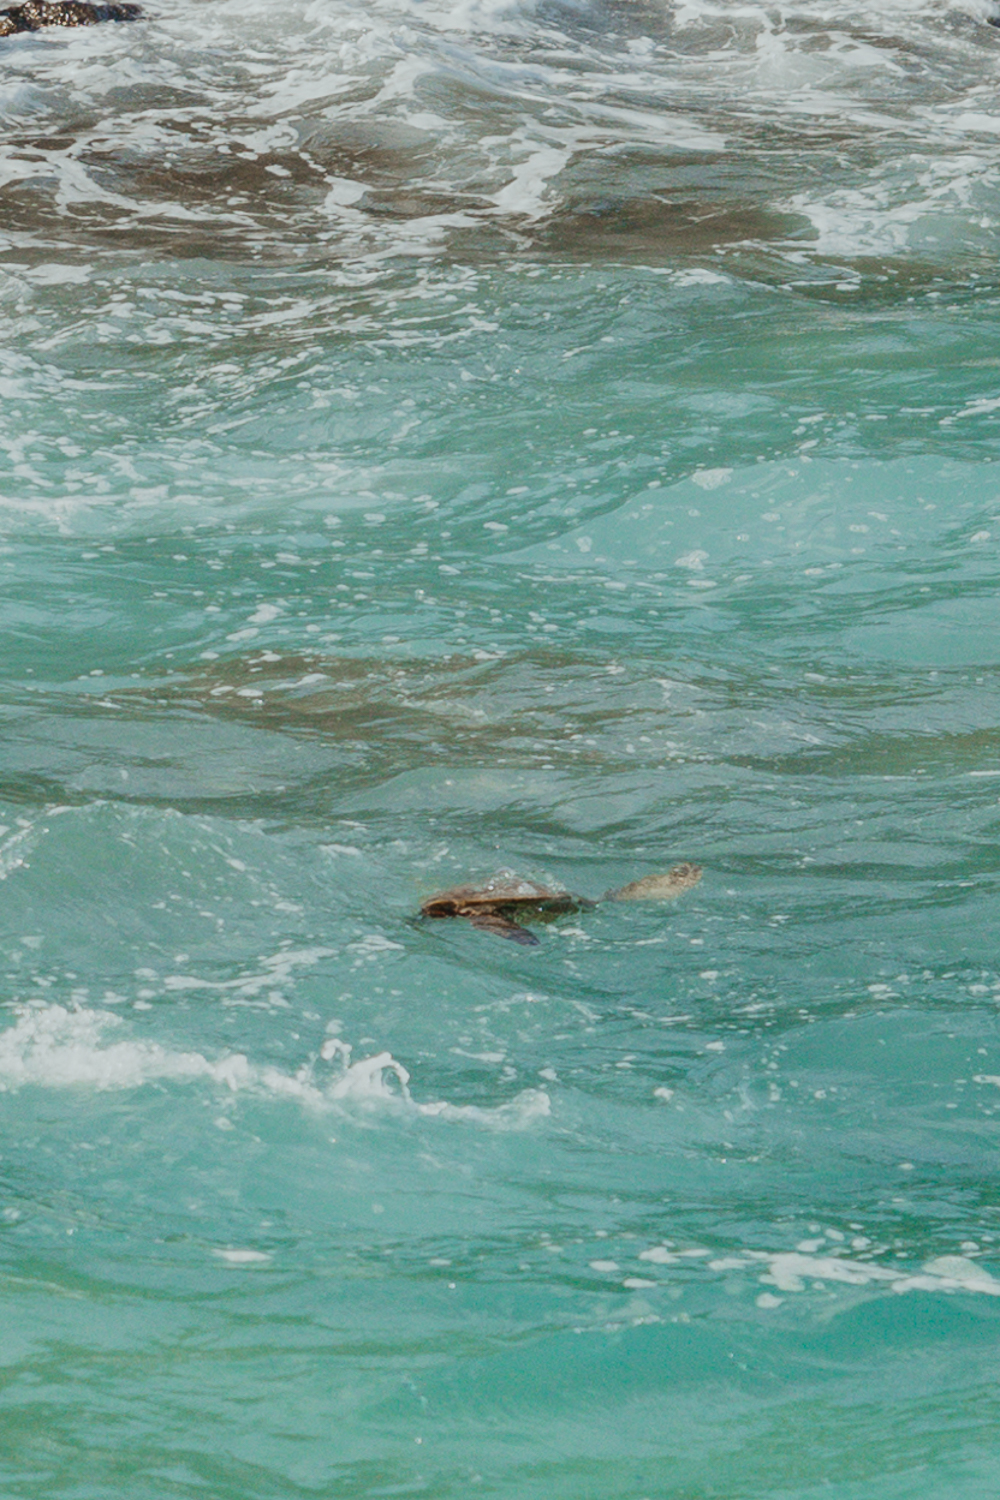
x=33 y=15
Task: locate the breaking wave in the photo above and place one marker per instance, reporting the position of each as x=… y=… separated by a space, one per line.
x=52 y=1046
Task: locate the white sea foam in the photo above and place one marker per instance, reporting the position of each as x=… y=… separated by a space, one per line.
x=52 y=1046
x=273 y=970
x=236 y=1257
x=790 y=1272
x=14 y=850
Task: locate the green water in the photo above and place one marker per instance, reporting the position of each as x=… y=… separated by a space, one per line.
x=346 y=559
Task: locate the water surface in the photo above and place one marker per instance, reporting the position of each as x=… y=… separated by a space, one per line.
x=438 y=439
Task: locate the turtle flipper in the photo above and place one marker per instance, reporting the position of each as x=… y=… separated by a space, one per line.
x=492 y=921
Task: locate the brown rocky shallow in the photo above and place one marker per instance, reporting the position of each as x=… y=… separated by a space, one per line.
x=33 y=15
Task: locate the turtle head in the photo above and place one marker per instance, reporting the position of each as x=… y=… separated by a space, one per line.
x=658 y=887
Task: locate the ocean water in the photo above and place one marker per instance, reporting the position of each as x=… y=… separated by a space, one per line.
x=440 y=439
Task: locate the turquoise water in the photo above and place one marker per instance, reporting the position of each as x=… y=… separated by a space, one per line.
x=444 y=440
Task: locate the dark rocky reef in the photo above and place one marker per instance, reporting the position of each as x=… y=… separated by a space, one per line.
x=34 y=14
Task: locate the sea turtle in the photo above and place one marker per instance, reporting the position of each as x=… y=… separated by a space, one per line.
x=495 y=905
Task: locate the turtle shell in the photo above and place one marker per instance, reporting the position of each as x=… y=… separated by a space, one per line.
x=502 y=892
x=495 y=905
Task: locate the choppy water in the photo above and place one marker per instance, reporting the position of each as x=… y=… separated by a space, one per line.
x=437 y=439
